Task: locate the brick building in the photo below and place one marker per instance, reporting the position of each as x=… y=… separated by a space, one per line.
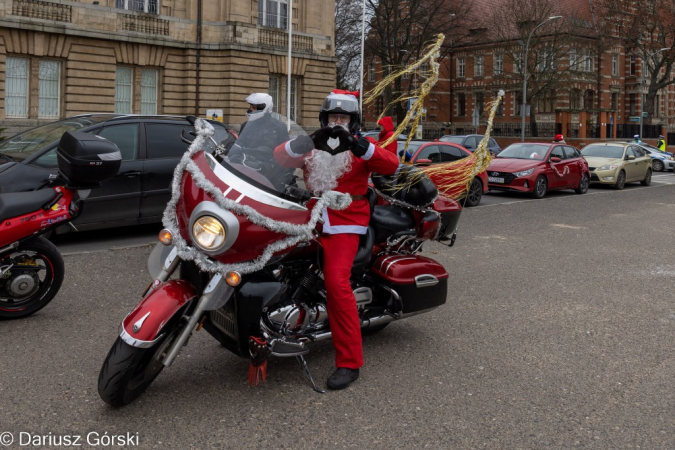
x=61 y=58
x=595 y=93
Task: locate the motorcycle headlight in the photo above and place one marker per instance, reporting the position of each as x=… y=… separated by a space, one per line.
x=608 y=167
x=208 y=232
x=524 y=173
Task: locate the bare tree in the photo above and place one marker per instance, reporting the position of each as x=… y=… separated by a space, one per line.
x=645 y=28
x=399 y=31
x=509 y=26
x=348 y=16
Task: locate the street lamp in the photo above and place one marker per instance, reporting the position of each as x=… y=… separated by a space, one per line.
x=522 y=108
x=642 y=86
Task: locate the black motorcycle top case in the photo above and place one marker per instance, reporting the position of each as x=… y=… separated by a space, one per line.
x=87 y=159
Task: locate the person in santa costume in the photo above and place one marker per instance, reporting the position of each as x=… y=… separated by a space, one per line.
x=333 y=159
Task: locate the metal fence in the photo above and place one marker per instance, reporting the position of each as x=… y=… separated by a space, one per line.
x=507 y=129
x=628 y=130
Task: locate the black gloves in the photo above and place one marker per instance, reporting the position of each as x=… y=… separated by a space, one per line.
x=347 y=140
x=320 y=138
x=301 y=145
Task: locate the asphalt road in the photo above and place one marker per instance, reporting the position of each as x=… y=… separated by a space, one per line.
x=558 y=333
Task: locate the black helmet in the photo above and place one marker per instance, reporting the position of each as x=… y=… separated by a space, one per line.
x=341 y=104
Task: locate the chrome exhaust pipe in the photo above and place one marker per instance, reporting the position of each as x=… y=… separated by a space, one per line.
x=365 y=323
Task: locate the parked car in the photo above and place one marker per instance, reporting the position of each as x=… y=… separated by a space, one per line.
x=618 y=163
x=151 y=147
x=537 y=168
x=425 y=153
x=376 y=135
x=471 y=141
x=660 y=160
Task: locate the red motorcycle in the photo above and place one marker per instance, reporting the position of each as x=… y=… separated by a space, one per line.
x=31 y=267
x=240 y=257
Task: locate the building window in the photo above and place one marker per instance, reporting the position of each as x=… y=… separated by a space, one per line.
x=518 y=102
x=478 y=66
x=615 y=65
x=123 y=90
x=16 y=88
x=480 y=102
x=146 y=6
x=274 y=91
x=518 y=63
x=545 y=59
x=632 y=66
x=574 y=59
x=48 y=90
x=589 y=97
x=632 y=104
x=615 y=100
x=500 y=107
x=589 y=59
x=148 y=92
x=656 y=106
x=405 y=76
x=461 y=68
x=575 y=99
x=498 y=67
x=461 y=104
x=424 y=68
x=294 y=99
x=273 y=13
x=547 y=102
x=371 y=72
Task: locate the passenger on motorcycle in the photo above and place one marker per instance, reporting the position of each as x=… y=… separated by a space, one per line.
x=332 y=158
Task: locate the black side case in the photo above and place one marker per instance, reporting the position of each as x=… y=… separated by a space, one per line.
x=86 y=159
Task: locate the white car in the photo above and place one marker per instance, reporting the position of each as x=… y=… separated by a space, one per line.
x=660 y=160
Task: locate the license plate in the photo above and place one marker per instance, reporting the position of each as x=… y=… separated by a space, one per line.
x=495 y=180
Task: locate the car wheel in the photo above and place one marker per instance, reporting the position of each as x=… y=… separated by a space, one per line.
x=648 y=178
x=475 y=193
x=620 y=181
x=540 y=187
x=583 y=184
x=657 y=165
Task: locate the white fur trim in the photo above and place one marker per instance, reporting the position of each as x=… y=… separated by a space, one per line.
x=369 y=154
x=341 y=229
x=289 y=151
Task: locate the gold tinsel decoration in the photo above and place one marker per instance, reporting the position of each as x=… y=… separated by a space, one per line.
x=433 y=52
x=454 y=178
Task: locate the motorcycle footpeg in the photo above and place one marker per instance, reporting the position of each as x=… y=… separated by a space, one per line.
x=286 y=349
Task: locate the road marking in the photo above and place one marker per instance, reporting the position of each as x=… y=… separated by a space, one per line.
x=562 y=225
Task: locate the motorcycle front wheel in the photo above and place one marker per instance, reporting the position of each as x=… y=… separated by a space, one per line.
x=33 y=274
x=128 y=371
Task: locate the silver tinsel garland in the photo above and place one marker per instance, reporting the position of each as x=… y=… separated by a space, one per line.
x=296 y=233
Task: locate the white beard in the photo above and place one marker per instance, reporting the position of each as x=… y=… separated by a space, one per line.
x=325 y=170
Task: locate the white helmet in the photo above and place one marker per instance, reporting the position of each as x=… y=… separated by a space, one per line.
x=263 y=102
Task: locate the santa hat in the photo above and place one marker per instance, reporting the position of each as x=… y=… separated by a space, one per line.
x=355 y=94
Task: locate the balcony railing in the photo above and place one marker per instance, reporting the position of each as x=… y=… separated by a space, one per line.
x=279 y=39
x=42 y=10
x=142 y=24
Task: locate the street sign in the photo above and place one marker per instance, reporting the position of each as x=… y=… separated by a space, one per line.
x=645 y=114
x=634 y=118
x=411 y=102
x=418 y=132
x=215 y=114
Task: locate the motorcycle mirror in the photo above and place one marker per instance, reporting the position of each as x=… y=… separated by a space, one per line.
x=191 y=119
x=423 y=162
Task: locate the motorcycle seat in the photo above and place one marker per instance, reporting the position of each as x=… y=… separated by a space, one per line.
x=388 y=219
x=20 y=203
x=364 y=253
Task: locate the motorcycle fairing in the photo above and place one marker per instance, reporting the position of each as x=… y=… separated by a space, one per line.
x=144 y=324
x=37 y=219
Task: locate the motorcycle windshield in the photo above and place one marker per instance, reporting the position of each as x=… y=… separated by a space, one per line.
x=251 y=156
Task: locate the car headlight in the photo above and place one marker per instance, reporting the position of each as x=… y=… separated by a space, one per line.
x=672 y=158
x=608 y=167
x=524 y=173
x=208 y=232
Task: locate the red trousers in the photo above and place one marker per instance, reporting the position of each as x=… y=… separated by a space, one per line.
x=338 y=258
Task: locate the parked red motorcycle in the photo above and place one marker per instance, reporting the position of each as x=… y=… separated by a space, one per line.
x=31 y=267
x=240 y=258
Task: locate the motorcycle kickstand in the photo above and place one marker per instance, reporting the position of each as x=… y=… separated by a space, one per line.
x=305 y=368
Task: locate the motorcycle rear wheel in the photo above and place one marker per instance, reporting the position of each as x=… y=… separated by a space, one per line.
x=128 y=371
x=42 y=257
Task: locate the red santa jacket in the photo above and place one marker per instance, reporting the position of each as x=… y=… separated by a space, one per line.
x=355 y=218
x=388 y=132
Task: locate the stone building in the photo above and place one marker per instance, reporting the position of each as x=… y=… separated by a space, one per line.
x=62 y=58
x=597 y=96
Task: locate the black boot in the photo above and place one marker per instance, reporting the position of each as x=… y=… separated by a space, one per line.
x=342 y=377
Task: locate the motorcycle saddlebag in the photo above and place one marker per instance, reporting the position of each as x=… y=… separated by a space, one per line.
x=86 y=159
x=408 y=184
x=422 y=283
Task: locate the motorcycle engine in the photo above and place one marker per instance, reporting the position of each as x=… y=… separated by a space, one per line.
x=304 y=311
